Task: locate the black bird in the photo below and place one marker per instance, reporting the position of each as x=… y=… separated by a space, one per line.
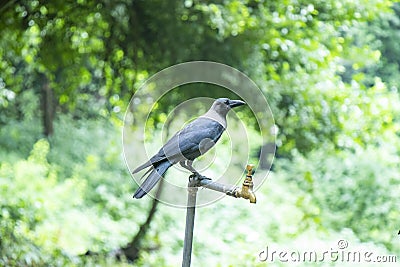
x=193 y=140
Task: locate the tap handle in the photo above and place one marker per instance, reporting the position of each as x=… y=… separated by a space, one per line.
x=250 y=170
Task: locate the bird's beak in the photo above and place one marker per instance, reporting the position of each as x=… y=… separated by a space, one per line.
x=236 y=103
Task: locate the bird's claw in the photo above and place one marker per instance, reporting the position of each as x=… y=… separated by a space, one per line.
x=195 y=176
x=200 y=177
x=204 y=178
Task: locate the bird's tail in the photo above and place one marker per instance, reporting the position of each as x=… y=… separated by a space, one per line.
x=151 y=180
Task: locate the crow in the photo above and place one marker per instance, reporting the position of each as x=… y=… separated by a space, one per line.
x=193 y=140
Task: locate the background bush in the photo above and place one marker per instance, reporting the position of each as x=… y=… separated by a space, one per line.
x=330 y=72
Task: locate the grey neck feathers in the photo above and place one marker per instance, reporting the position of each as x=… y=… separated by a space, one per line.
x=220 y=118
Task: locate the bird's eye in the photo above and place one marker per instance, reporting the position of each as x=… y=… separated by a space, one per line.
x=227 y=102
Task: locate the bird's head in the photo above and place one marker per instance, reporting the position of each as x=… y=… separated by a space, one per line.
x=223 y=105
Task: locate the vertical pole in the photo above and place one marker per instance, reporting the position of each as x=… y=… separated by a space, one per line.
x=190 y=212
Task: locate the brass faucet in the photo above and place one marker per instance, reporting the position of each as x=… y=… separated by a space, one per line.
x=246 y=191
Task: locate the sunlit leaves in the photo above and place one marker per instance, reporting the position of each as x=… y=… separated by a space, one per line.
x=328 y=68
x=352 y=189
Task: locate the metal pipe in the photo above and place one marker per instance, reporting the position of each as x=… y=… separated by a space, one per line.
x=196 y=180
x=190 y=213
x=246 y=191
x=210 y=184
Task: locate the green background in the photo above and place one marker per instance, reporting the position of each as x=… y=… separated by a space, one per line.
x=330 y=72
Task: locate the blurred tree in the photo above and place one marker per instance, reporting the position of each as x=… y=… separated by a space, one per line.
x=383 y=34
x=328 y=68
x=88 y=57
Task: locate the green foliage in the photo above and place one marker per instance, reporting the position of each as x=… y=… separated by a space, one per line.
x=29 y=195
x=329 y=69
x=55 y=208
x=56 y=205
x=383 y=35
x=355 y=190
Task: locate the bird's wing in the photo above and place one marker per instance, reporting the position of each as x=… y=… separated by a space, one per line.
x=185 y=144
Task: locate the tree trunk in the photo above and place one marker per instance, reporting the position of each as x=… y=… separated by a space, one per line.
x=47 y=107
x=132 y=249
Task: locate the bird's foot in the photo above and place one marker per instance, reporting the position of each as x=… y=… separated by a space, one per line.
x=202 y=177
x=195 y=176
x=199 y=176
